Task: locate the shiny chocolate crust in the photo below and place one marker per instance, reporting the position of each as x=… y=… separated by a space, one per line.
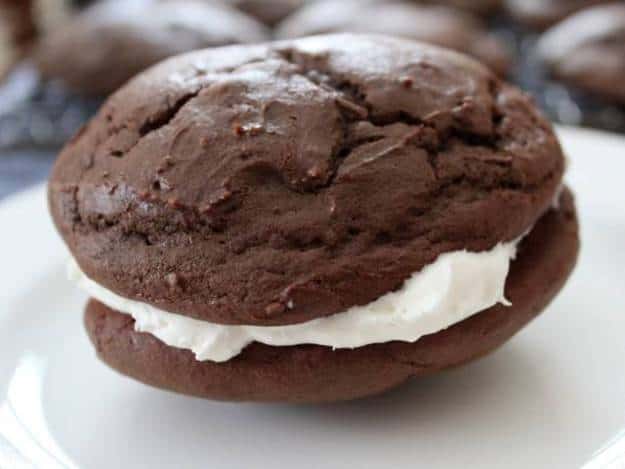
x=278 y=183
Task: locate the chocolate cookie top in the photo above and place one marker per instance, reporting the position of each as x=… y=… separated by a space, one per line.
x=277 y=183
x=111 y=42
x=587 y=50
x=268 y=11
x=540 y=14
x=433 y=24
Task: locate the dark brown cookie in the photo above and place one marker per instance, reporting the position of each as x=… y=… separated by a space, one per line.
x=309 y=373
x=540 y=14
x=274 y=184
x=587 y=51
x=434 y=24
x=111 y=42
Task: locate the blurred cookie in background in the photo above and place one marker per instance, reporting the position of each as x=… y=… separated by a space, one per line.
x=21 y=21
x=25 y=106
x=437 y=25
x=541 y=14
x=482 y=7
x=584 y=57
x=18 y=30
x=76 y=66
x=269 y=12
x=7 y=49
x=111 y=42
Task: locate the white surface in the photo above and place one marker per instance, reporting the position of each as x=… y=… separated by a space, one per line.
x=549 y=399
x=454 y=287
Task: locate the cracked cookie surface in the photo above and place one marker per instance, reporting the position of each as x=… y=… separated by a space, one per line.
x=278 y=183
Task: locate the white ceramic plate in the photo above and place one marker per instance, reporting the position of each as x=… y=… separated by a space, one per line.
x=549 y=399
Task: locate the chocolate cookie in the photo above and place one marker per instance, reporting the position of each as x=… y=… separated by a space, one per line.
x=294 y=184
x=309 y=373
x=249 y=164
x=428 y=23
x=587 y=51
x=111 y=42
x=540 y=14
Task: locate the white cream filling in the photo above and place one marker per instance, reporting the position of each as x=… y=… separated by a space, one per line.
x=456 y=286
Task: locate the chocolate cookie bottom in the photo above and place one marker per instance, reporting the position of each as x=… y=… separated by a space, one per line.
x=311 y=373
